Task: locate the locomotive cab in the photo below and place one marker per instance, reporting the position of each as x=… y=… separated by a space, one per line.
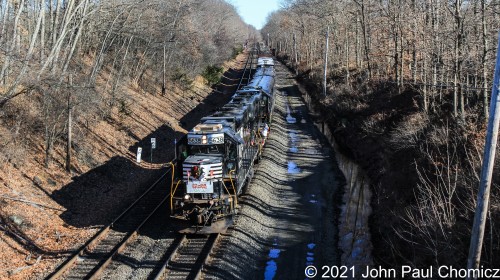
x=206 y=187
x=216 y=158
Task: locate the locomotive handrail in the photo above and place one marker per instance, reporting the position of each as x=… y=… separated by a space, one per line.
x=172 y=196
x=172 y=182
x=227 y=190
x=234 y=189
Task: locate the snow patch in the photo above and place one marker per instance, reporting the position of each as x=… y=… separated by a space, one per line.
x=293 y=168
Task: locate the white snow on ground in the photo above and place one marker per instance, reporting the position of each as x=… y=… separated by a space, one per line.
x=293 y=168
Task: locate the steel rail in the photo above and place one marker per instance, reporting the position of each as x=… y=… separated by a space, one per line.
x=68 y=264
x=165 y=265
x=215 y=240
x=211 y=252
x=126 y=241
x=250 y=59
x=197 y=264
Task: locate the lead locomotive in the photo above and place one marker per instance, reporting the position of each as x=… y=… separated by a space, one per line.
x=216 y=158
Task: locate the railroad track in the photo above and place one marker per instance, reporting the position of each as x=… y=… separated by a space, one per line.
x=247 y=70
x=95 y=255
x=213 y=261
x=179 y=257
x=188 y=258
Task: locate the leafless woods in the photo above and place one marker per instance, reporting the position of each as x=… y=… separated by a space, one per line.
x=409 y=85
x=64 y=61
x=436 y=45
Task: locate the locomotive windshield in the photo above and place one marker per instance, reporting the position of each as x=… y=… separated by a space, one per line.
x=206 y=149
x=217 y=156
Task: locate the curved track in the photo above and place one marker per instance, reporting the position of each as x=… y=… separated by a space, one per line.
x=95 y=255
x=128 y=248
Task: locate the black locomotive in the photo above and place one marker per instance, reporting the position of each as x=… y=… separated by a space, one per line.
x=216 y=158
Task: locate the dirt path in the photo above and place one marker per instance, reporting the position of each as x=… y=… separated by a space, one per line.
x=287 y=219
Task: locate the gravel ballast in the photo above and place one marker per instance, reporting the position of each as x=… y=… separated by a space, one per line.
x=288 y=215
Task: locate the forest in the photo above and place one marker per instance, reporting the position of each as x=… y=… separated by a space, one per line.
x=81 y=83
x=407 y=96
x=52 y=52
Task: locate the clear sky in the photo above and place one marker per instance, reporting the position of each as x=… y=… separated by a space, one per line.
x=255 y=12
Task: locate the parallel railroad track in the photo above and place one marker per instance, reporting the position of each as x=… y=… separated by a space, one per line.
x=187 y=255
x=247 y=71
x=95 y=255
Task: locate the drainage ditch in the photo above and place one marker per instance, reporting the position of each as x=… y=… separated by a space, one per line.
x=354 y=233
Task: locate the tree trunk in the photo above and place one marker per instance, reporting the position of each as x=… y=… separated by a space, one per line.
x=296 y=57
x=56 y=22
x=347 y=50
x=483 y=60
x=426 y=98
x=326 y=60
x=10 y=93
x=364 y=27
x=4 y=22
x=77 y=37
x=42 y=31
x=357 y=47
x=164 y=86
x=119 y=75
x=12 y=45
x=70 y=125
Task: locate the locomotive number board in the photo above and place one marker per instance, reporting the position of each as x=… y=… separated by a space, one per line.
x=200 y=187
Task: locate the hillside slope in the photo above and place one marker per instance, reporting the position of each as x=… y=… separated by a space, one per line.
x=47 y=212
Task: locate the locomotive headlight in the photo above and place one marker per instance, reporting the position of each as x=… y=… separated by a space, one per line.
x=230 y=165
x=204 y=139
x=187 y=197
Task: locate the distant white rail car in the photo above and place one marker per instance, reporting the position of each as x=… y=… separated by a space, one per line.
x=265 y=61
x=216 y=158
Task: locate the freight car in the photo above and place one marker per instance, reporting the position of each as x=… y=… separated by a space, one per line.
x=216 y=158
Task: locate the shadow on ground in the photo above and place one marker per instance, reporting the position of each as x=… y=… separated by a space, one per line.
x=97 y=197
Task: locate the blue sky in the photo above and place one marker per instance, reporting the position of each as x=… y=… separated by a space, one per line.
x=255 y=12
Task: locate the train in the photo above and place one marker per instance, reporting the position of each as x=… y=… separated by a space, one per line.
x=216 y=159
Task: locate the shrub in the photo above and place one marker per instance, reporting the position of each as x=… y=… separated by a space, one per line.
x=212 y=74
x=182 y=80
x=237 y=50
x=406 y=134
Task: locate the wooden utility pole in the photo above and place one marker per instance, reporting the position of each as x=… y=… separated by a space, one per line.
x=164 y=86
x=70 y=124
x=326 y=60
x=296 y=55
x=483 y=196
